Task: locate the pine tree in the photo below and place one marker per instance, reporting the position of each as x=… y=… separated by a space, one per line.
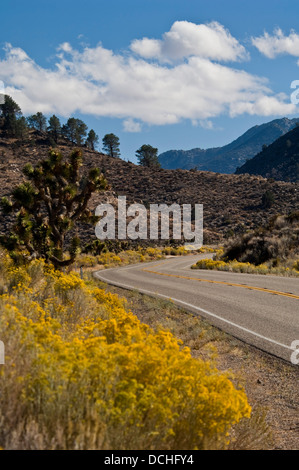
x=10 y=112
x=37 y=121
x=74 y=130
x=54 y=127
x=81 y=132
x=69 y=130
x=50 y=204
x=21 y=129
x=92 y=139
x=111 y=145
x=148 y=156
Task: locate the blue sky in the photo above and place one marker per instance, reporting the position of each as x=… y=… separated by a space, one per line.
x=173 y=74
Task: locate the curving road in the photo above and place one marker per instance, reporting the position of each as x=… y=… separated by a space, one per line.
x=260 y=310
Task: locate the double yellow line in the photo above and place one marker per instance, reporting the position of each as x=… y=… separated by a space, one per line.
x=231 y=284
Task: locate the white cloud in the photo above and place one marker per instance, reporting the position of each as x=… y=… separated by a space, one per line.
x=278 y=43
x=147 y=48
x=204 y=123
x=97 y=82
x=262 y=106
x=65 y=47
x=185 y=39
x=129 y=125
x=207 y=124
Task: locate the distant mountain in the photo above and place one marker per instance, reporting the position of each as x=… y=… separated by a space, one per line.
x=279 y=161
x=228 y=158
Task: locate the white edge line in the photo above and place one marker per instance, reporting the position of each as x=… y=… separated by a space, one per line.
x=144 y=291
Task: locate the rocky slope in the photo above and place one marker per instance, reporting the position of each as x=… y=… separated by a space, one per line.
x=232 y=203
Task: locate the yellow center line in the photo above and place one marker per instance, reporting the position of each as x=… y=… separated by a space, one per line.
x=261 y=289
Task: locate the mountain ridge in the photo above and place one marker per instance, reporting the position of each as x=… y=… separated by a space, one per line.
x=279 y=161
x=228 y=158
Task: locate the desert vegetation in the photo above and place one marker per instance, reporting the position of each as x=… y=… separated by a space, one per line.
x=273 y=249
x=249 y=268
x=109 y=259
x=275 y=244
x=82 y=372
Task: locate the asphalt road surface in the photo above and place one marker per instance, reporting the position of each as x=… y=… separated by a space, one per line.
x=260 y=310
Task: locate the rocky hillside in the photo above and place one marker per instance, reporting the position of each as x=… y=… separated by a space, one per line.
x=232 y=203
x=279 y=160
x=277 y=242
x=226 y=159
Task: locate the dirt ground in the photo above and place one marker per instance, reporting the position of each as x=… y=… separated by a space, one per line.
x=271 y=384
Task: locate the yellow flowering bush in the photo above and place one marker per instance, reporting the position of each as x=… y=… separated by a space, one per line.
x=238 y=267
x=82 y=372
x=296 y=265
x=179 y=251
x=141 y=254
x=209 y=264
x=210 y=249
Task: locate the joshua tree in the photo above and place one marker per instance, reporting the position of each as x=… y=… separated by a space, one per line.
x=48 y=206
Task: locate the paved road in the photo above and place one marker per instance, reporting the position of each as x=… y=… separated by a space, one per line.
x=260 y=310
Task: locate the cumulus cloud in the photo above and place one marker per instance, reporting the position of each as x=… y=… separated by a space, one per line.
x=185 y=39
x=98 y=82
x=278 y=43
x=262 y=106
x=65 y=47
